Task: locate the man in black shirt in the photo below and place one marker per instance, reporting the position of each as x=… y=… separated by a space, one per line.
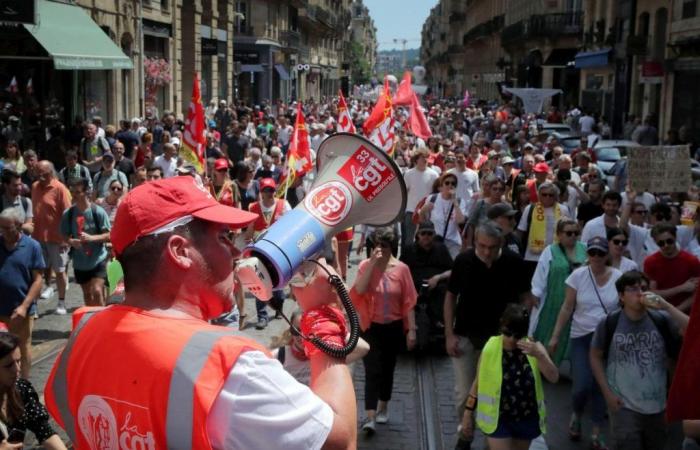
x=127 y=137
x=594 y=207
x=503 y=215
x=485 y=278
x=236 y=145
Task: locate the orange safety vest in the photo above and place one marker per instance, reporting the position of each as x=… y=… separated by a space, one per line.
x=128 y=378
x=260 y=223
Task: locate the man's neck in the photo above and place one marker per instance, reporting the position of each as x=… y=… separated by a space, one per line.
x=634 y=315
x=83 y=204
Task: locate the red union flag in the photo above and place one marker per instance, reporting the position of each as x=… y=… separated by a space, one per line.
x=298 y=156
x=379 y=127
x=194 y=139
x=366 y=173
x=344 y=120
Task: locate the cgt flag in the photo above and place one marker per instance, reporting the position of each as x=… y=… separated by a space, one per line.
x=194 y=139
x=418 y=123
x=379 y=126
x=344 y=120
x=298 y=156
x=405 y=92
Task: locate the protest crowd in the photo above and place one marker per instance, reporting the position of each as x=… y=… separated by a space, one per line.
x=535 y=263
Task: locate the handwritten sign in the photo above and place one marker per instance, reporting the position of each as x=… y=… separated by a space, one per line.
x=659 y=169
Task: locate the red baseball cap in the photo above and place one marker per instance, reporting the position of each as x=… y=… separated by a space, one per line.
x=221 y=163
x=267 y=183
x=541 y=168
x=160 y=203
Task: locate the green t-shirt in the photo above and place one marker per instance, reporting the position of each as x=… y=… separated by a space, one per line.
x=89 y=255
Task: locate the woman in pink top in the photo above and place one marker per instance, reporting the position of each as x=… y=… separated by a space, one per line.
x=389 y=323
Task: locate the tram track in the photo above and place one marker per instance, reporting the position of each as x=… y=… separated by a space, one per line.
x=429 y=430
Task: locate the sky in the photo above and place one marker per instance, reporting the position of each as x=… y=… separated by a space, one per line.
x=399 y=19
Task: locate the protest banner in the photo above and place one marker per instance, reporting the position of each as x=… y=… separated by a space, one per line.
x=663 y=168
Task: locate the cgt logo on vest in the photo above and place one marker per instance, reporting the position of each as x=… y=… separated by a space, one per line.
x=330 y=202
x=98 y=425
x=366 y=173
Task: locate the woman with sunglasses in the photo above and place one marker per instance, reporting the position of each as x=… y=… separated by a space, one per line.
x=389 y=297
x=477 y=215
x=617 y=242
x=590 y=296
x=111 y=201
x=447 y=212
x=21 y=408
x=548 y=284
x=507 y=396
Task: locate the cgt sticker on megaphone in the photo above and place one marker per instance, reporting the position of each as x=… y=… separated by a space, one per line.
x=329 y=202
x=367 y=173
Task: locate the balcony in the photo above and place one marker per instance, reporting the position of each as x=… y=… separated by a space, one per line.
x=457 y=17
x=325 y=17
x=290 y=39
x=484 y=29
x=543 y=26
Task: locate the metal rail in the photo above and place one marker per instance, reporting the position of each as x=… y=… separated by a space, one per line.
x=429 y=430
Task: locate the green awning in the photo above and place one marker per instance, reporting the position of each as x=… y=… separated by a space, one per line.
x=73 y=40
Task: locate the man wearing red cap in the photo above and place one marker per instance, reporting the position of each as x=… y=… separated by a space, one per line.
x=152 y=373
x=541 y=171
x=268 y=209
x=221 y=186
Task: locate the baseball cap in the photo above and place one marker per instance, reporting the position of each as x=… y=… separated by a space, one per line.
x=160 y=204
x=108 y=155
x=598 y=243
x=221 y=163
x=541 y=168
x=426 y=226
x=267 y=183
x=507 y=160
x=499 y=210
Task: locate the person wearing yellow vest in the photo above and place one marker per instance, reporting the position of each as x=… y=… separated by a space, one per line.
x=152 y=373
x=507 y=397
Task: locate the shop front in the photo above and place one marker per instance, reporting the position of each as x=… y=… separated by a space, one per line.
x=55 y=69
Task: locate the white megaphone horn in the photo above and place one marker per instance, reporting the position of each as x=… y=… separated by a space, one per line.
x=357 y=183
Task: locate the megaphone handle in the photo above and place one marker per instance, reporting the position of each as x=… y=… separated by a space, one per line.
x=332 y=350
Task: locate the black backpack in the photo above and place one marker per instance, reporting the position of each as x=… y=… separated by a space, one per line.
x=672 y=341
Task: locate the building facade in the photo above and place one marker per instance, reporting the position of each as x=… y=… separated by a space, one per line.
x=433 y=51
x=363 y=34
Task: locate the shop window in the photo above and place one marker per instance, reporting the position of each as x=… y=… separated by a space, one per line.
x=206 y=82
x=223 y=76
x=92 y=94
x=158 y=73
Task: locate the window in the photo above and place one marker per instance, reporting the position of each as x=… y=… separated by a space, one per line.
x=689 y=9
x=241 y=22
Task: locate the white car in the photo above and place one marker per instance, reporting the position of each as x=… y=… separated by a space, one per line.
x=608 y=152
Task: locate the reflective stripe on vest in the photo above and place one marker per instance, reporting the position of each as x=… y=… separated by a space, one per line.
x=180 y=408
x=489 y=386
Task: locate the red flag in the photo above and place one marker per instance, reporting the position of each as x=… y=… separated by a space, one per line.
x=418 y=123
x=404 y=92
x=379 y=126
x=298 y=155
x=344 y=120
x=194 y=140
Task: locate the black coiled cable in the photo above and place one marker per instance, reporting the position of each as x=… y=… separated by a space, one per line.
x=329 y=349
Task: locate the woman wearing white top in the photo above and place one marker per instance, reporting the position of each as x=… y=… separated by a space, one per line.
x=447 y=212
x=617 y=242
x=590 y=296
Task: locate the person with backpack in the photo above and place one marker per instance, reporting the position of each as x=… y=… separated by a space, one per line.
x=86 y=227
x=11 y=197
x=628 y=357
x=103 y=179
x=74 y=170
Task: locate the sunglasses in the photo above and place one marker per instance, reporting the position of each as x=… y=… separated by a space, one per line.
x=641 y=211
x=510 y=333
x=597 y=253
x=664 y=242
x=571 y=233
x=546 y=194
x=117 y=189
x=449 y=183
x=661 y=217
x=620 y=242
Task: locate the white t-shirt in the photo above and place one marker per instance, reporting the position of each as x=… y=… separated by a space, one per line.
x=418 y=185
x=467 y=182
x=169 y=168
x=262 y=406
x=586 y=124
x=627 y=264
x=549 y=223
x=589 y=311
x=284 y=134
x=440 y=212
x=594 y=228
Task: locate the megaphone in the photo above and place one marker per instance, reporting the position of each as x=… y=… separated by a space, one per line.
x=357 y=183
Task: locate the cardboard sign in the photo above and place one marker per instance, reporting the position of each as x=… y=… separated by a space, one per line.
x=659 y=168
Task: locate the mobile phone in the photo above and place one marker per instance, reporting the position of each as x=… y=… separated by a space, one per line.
x=15 y=436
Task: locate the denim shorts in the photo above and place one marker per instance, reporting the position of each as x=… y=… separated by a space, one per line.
x=525 y=430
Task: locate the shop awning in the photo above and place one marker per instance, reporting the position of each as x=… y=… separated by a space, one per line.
x=598 y=58
x=561 y=57
x=73 y=40
x=282 y=71
x=252 y=68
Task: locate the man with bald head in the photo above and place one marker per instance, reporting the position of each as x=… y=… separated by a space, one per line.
x=50 y=198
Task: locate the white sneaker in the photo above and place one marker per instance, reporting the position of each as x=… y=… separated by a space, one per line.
x=369 y=426
x=46 y=293
x=61 y=308
x=382 y=417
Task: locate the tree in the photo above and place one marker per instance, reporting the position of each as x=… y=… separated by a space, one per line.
x=359 y=66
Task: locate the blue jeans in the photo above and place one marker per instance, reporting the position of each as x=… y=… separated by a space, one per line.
x=584 y=384
x=275 y=302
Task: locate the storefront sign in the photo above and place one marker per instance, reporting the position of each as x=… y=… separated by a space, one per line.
x=18 y=11
x=659 y=168
x=652 y=72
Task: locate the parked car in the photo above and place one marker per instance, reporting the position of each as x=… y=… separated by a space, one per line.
x=569 y=141
x=608 y=152
x=559 y=127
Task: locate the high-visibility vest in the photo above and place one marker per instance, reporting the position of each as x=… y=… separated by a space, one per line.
x=260 y=223
x=128 y=378
x=489 y=386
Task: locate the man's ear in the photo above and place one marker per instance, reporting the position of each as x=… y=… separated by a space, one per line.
x=178 y=250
